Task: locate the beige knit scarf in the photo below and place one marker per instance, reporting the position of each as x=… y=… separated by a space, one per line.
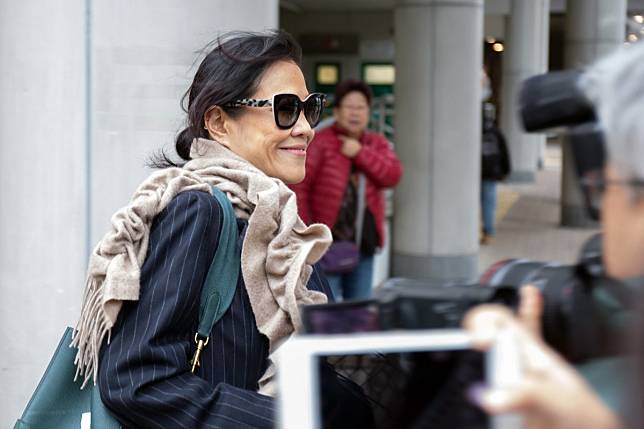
x=276 y=258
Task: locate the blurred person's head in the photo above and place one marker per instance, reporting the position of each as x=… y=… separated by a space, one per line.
x=352 y=106
x=244 y=66
x=617 y=86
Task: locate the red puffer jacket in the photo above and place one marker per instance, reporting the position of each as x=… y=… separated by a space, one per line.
x=319 y=196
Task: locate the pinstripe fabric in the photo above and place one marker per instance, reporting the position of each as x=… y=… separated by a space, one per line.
x=144 y=375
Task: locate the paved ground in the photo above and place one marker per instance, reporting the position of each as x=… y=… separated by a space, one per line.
x=529 y=220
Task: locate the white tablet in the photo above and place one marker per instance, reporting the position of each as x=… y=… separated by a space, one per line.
x=395 y=369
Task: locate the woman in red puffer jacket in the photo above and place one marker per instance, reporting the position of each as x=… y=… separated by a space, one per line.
x=335 y=159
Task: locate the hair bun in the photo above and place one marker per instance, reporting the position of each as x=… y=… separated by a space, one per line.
x=183 y=143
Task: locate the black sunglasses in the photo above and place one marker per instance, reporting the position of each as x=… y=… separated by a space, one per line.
x=287 y=108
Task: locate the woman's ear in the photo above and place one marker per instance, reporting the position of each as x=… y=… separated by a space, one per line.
x=217 y=122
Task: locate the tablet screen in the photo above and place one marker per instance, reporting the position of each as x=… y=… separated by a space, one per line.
x=400 y=390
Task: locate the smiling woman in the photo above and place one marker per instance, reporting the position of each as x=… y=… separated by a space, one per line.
x=250 y=119
x=275 y=143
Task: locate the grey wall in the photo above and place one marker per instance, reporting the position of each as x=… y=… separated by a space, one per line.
x=70 y=157
x=42 y=174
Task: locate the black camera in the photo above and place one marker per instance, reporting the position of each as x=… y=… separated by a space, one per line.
x=585 y=312
x=581 y=304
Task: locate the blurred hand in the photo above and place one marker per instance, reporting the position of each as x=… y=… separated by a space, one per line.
x=551 y=394
x=350 y=147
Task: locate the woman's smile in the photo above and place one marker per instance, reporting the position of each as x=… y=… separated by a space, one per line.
x=297 y=150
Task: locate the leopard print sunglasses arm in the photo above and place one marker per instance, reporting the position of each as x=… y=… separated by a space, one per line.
x=252 y=102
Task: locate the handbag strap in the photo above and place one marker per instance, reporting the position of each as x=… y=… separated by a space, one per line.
x=362 y=188
x=221 y=281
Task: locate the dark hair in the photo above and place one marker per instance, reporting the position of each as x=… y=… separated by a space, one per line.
x=351 y=85
x=230 y=71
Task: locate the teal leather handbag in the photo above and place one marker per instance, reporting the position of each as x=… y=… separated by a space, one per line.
x=59 y=402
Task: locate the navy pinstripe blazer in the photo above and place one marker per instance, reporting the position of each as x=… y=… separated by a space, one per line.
x=144 y=375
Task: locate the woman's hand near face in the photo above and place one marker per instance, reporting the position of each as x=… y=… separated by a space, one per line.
x=350 y=147
x=551 y=393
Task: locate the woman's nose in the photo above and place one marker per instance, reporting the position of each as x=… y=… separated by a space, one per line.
x=302 y=127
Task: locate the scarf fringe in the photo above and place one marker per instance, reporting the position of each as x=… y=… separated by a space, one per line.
x=89 y=332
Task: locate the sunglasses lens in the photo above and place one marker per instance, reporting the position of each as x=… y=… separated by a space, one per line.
x=313 y=108
x=287 y=108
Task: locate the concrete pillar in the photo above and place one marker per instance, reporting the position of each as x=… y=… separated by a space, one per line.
x=544 y=41
x=89 y=89
x=593 y=29
x=438 y=64
x=525 y=55
x=544 y=36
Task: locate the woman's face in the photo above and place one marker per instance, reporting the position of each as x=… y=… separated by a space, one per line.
x=623 y=227
x=254 y=136
x=352 y=114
